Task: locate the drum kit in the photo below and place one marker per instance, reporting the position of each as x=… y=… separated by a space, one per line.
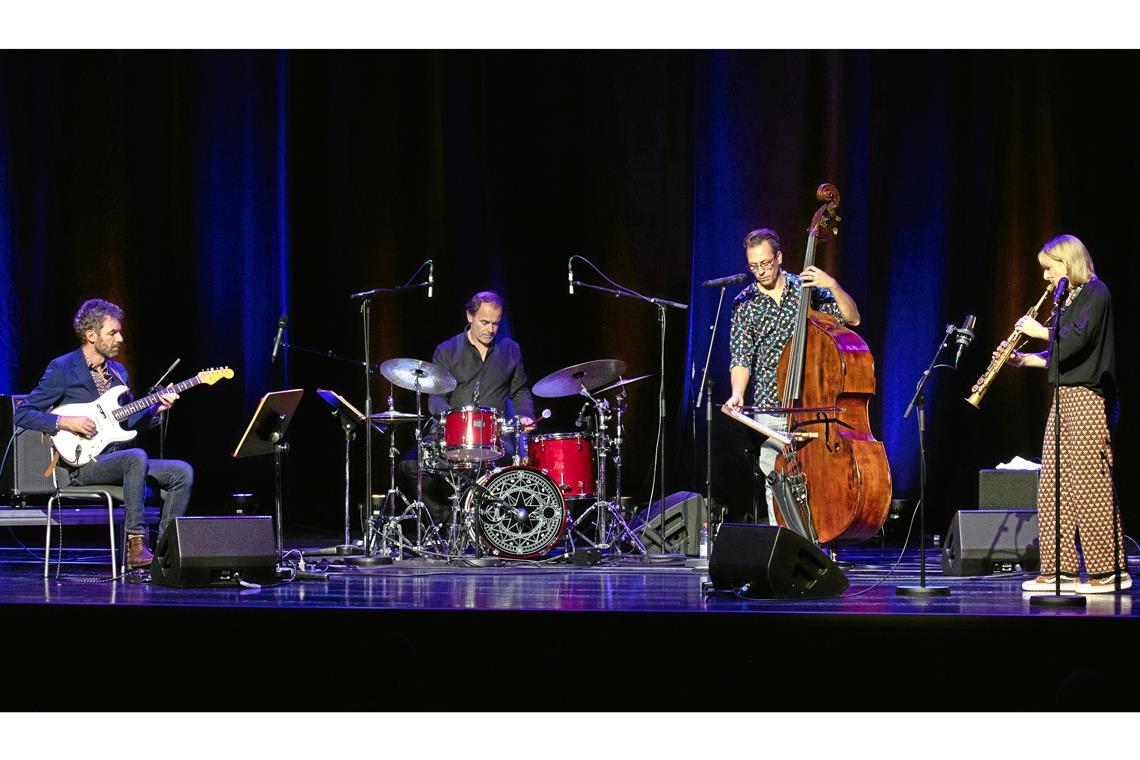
x=512 y=493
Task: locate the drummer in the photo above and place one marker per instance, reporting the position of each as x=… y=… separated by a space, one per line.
x=489 y=373
x=487 y=368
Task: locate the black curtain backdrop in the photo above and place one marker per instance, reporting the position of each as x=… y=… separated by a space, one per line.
x=210 y=192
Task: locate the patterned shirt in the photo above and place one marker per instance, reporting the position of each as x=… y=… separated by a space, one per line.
x=761 y=327
x=101 y=377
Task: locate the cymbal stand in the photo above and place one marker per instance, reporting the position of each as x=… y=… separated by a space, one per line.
x=608 y=536
x=379 y=525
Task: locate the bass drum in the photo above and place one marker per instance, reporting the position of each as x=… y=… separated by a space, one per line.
x=520 y=510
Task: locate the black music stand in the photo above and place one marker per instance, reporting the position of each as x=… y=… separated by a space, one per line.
x=265 y=435
x=349 y=418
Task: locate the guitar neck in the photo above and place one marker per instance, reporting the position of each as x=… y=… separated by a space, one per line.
x=138 y=405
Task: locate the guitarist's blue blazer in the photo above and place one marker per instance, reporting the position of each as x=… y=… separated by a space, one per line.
x=67 y=380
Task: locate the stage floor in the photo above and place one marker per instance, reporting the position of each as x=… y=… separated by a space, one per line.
x=630 y=633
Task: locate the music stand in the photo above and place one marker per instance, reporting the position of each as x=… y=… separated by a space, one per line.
x=265 y=434
x=349 y=417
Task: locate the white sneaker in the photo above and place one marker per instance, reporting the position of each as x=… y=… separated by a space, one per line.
x=1048 y=583
x=1104 y=585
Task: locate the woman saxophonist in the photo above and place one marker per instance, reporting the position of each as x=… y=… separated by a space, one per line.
x=1089 y=416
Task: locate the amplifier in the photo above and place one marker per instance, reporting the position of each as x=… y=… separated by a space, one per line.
x=1007 y=489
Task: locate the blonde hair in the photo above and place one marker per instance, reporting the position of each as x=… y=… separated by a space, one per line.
x=1071 y=252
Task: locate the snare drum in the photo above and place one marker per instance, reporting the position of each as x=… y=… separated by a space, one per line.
x=568 y=459
x=471 y=434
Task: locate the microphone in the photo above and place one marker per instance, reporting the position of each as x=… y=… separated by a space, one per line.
x=581 y=421
x=431 y=276
x=570 y=273
x=730 y=280
x=278 y=337
x=964 y=335
x=1058 y=294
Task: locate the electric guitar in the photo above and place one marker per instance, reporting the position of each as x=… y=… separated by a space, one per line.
x=108 y=417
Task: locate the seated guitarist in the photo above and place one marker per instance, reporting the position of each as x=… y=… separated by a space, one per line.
x=82 y=376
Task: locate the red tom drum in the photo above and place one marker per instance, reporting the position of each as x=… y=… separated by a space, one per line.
x=471 y=434
x=568 y=458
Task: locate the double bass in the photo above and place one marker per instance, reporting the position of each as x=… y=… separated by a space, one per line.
x=832 y=482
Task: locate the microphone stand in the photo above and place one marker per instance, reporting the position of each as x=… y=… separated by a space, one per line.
x=706 y=386
x=1057 y=599
x=919 y=402
x=662 y=305
x=365 y=297
x=163 y=419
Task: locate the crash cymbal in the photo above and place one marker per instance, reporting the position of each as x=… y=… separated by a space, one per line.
x=405 y=373
x=569 y=381
x=620 y=383
x=392 y=416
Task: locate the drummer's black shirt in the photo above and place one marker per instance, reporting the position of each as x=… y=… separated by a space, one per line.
x=483 y=382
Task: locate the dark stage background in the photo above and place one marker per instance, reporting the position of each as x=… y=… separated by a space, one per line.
x=208 y=193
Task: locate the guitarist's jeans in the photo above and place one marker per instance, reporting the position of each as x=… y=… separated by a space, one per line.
x=131 y=468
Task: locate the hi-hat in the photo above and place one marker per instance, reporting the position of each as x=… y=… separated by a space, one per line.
x=569 y=381
x=620 y=383
x=392 y=416
x=416 y=374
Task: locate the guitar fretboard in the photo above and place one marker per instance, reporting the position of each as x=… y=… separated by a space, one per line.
x=138 y=405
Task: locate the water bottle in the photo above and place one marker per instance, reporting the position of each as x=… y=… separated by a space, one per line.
x=704 y=540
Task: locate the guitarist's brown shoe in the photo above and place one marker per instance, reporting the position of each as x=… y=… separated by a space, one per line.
x=137 y=553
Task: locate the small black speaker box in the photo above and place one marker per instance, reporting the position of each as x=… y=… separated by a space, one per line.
x=1007 y=489
x=985 y=541
x=680 y=532
x=772 y=563
x=215 y=551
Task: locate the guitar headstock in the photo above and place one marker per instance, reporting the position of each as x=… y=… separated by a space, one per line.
x=825 y=223
x=211 y=376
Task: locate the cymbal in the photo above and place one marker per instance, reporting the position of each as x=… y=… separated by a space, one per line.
x=405 y=372
x=392 y=416
x=569 y=381
x=620 y=383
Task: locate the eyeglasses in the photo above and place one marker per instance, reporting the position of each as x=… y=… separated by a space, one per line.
x=767 y=266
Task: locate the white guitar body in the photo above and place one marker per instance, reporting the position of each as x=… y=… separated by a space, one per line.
x=77 y=450
x=109 y=417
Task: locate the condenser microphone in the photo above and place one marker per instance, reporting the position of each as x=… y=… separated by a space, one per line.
x=730 y=280
x=278 y=337
x=431 y=276
x=570 y=273
x=964 y=335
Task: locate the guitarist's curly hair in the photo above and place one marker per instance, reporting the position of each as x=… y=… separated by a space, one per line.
x=91 y=315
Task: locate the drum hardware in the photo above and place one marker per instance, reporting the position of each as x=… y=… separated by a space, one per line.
x=607 y=535
x=420 y=377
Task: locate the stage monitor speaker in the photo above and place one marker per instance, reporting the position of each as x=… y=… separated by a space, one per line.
x=986 y=541
x=30 y=454
x=681 y=531
x=1007 y=489
x=215 y=551
x=769 y=562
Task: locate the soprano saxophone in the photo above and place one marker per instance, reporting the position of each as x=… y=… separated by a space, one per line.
x=1012 y=343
